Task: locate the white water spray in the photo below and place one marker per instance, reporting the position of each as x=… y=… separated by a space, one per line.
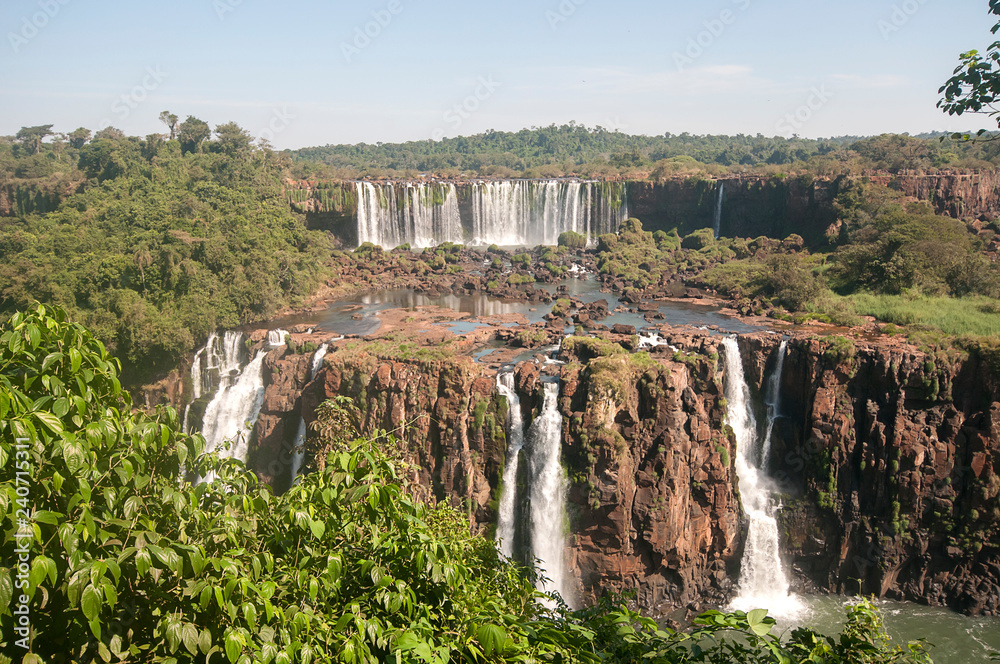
x=548 y=494
x=506 y=524
x=763 y=584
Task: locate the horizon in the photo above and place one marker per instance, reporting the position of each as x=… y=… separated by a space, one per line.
x=383 y=72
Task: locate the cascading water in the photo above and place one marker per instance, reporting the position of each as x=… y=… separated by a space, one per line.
x=233 y=411
x=421 y=214
x=717 y=221
x=763 y=584
x=276 y=338
x=299 y=453
x=528 y=212
x=773 y=401
x=506 y=526
x=548 y=494
x=510 y=213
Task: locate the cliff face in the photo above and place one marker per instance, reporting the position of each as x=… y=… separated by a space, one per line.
x=888 y=459
x=653 y=503
x=893 y=461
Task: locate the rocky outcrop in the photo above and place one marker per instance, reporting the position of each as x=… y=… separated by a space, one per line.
x=892 y=459
x=653 y=502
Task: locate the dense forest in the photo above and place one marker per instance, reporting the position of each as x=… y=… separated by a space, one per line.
x=574 y=149
x=152 y=243
x=155 y=242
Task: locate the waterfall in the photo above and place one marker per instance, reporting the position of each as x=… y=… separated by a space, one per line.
x=219 y=360
x=421 y=214
x=717 y=222
x=298 y=452
x=548 y=494
x=233 y=411
x=276 y=338
x=529 y=212
x=506 y=526
x=773 y=401
x=763 y=583
x=509 y=213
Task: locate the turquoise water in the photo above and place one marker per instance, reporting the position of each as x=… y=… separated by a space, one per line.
x=957 y=639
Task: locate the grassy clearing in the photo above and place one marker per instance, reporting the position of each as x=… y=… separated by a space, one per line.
x=977 y=316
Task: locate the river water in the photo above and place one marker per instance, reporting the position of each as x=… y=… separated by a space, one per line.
x=957 y=639
x=359 y=314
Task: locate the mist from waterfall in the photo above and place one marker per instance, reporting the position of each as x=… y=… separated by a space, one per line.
x=763 y=583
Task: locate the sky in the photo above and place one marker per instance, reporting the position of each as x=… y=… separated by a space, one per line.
x=306 y=73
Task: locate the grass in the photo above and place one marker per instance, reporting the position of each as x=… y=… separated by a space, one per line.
x=975 y=316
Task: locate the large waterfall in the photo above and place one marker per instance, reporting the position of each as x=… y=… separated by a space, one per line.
x=299 y=453
x=548 y=494
x=763 y=584
x=515 y=442
x=420 y=214
x=507 y=213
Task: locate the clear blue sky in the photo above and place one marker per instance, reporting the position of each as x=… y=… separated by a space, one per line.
x=282 y=70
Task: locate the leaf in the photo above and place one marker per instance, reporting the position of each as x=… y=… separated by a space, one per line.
x=756 y=616
x=51 y=422
x=74 y=456
x=317 y=529
x=233 y=647
x=173 y=634
x=91 y=603
x=492 y=638
x=75 y=358
x=189 y=636
x=6 y=588
x=51 y=518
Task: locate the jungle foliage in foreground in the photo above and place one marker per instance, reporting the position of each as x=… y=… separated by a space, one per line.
x=130 y=564
x=154 y=243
